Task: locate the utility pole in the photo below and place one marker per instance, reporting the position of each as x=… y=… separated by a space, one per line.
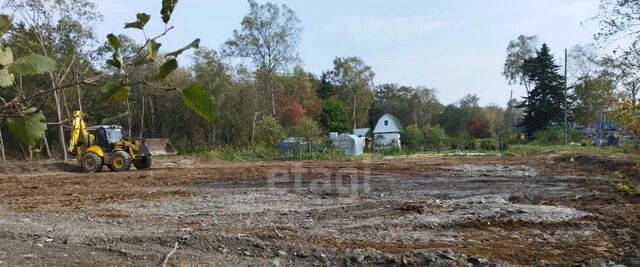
x=566 y=124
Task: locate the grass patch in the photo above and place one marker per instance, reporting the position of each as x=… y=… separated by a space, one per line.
x=532 y=150
x=262 y=153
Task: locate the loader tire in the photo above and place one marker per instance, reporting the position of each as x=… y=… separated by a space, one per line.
x=91 y=162
x=120 y=162
x=142 y=162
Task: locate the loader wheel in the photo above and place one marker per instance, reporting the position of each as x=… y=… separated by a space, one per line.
x=120 y=162
x=142 y=162
x=91 y=162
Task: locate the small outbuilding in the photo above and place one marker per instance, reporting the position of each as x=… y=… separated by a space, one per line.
x=352 y=145
x=361 y=132
x=296 y=145
x=387 y=131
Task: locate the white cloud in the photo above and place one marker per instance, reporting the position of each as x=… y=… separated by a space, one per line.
x=376 y=27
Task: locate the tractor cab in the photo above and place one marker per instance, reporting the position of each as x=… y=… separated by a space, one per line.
x=105 y=136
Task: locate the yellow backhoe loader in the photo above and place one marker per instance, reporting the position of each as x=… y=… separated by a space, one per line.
x=100 y=145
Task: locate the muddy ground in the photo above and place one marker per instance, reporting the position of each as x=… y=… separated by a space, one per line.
x=478 y=211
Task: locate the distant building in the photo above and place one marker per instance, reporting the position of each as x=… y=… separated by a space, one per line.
x=387 y=131
x=364 y=134
x=352 y=145
x=296 y=145
x=361 y=132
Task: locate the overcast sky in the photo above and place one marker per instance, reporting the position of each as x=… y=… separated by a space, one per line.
x=455 y=46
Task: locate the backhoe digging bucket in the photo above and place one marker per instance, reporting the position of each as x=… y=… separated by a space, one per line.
x=160 y=146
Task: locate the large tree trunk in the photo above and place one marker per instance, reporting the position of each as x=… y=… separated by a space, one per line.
x=129 y=118
x=79 y=94
x=353 y=111
x=153 y=117
x=273 y=96
x=46 y=145
x=142 y=118
x=254 y=118
x=63 y=145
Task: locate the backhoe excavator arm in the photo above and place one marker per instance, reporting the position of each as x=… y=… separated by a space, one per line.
x=79 y=134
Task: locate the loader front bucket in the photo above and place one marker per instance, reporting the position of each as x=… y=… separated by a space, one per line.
x=160 y=146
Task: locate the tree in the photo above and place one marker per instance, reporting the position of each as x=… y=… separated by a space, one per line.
x=466 y=118
x=416 y=106
x=310 y=131
x=625 y=70
x=592 y=98
x=60 y=30
x=544 y=104
x=300 y=86
x=435 y=137
x=268 y=131
x=325 y=89
x=28 y=123
x=585 y=62
x=354 y=80
x=211 y=74
x=618 y=19
x=269 y=38
x=289 y=112
x=519 y=50
x=333 y=116
x=413 y=138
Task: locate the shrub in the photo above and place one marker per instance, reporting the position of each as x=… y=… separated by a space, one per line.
x=391 y=150
x=488 y=144
x=555 y=136
x=268 y=131
x=586 y=142
x=412 y=138
x=462 y=141
x=435 y=137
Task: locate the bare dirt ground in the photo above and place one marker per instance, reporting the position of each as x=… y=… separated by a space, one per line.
x=479 y=211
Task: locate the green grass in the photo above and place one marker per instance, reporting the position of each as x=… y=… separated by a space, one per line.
x=262 y=153
x=532 y=150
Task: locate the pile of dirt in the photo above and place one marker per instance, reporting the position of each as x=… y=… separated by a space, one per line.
x=603 y=164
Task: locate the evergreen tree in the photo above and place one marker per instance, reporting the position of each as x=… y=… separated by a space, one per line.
x=333 y=116
x=325 y=89
x=544 y=105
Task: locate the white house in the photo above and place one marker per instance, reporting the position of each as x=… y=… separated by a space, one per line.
x=387 y=131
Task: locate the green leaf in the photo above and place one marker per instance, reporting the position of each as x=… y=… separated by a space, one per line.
x=33 y=64
x=116 y=59
x=5 y=23
x=114 y=93
x=6 y=58
x=199 y=101
x=6 y=78
x=194 y=44
x=167 y=68
x=167 y=9
x=142 y=19
x=152 y=52
x=29 y=129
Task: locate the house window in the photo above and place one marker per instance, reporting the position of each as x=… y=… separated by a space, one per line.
x=386 y=123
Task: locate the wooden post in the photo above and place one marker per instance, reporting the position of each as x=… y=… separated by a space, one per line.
x=566 y=124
